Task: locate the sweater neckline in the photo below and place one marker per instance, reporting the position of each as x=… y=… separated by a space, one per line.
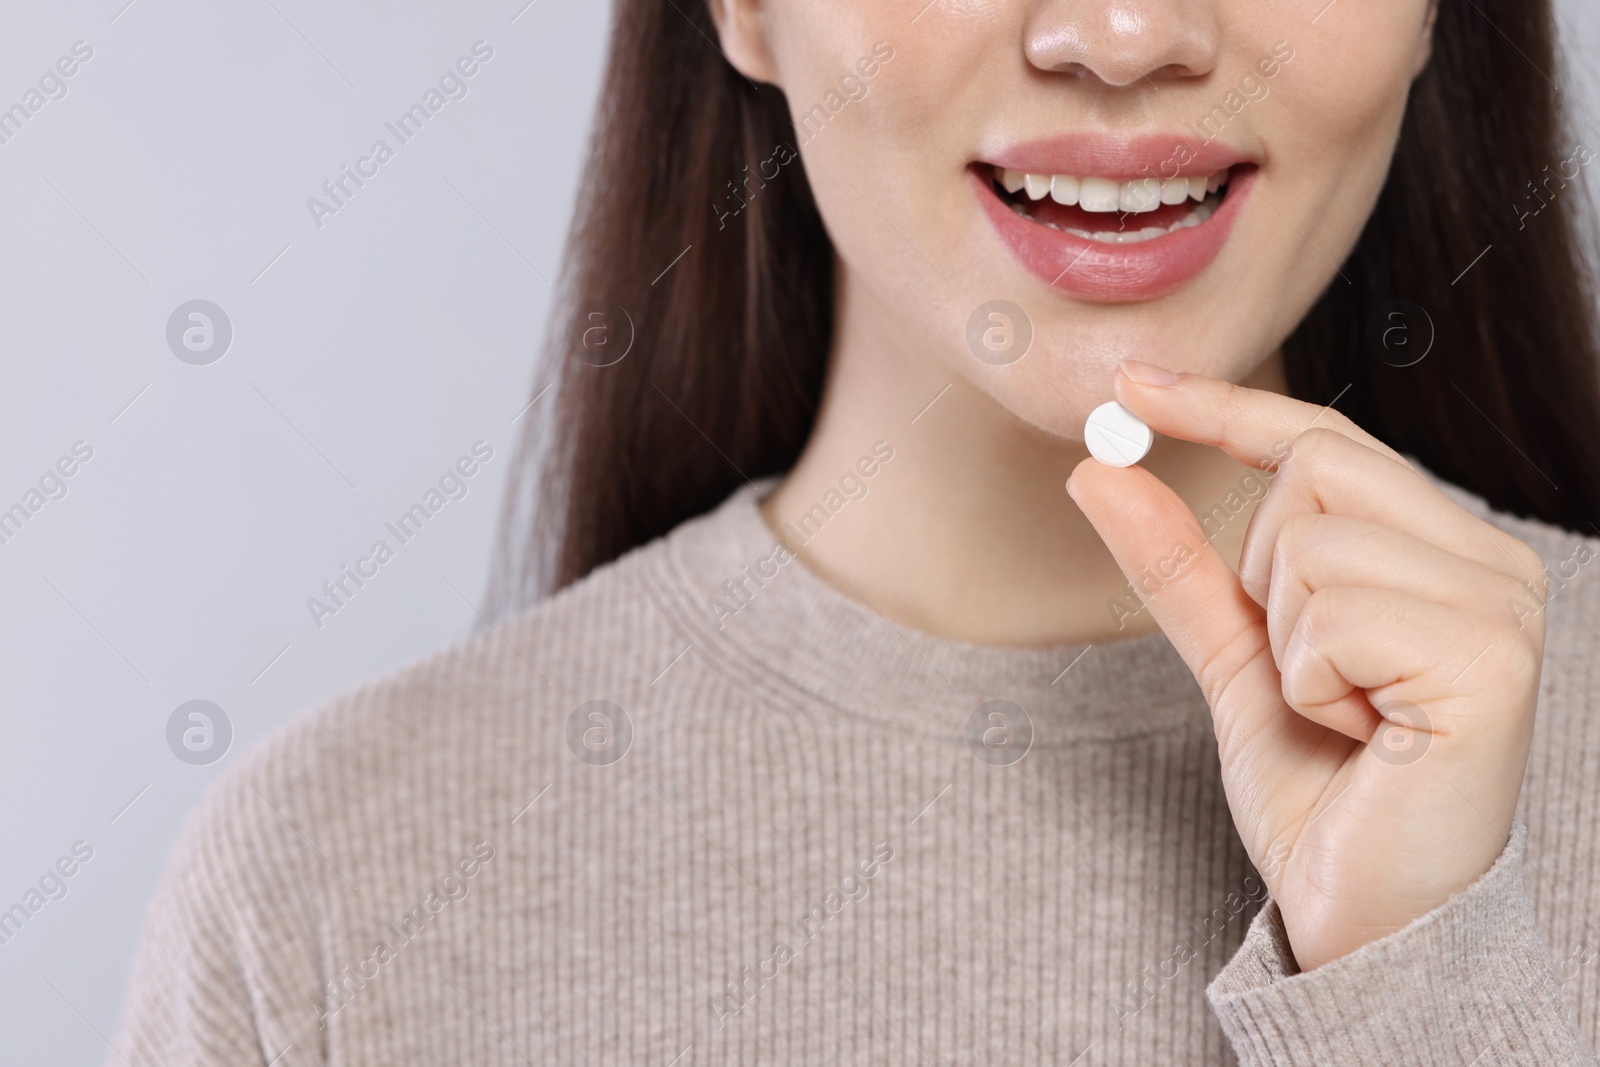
x=751 y=611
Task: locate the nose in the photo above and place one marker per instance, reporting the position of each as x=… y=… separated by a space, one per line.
x=1123 y=42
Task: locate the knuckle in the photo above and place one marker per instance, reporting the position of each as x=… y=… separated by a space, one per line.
x=1232 y=400
x=1522 y=661
x=1527 y=564
x=1223 y=664
x=1297 y=535
x=1311 y=445
x=1522 y=597
x=1341 y=424
x=1292 y=548
x=1317 y=615
x=1329 y=609
x=1306 y=453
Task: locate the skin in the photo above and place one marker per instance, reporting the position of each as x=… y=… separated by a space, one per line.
x=1372 y=693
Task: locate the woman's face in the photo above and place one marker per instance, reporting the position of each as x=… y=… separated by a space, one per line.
x=994 y=169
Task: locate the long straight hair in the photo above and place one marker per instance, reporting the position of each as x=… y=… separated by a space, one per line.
x=725 y=312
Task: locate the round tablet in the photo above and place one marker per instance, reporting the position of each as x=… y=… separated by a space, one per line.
x=1116 y=436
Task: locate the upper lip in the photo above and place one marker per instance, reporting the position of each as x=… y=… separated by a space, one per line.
x=1122 y=158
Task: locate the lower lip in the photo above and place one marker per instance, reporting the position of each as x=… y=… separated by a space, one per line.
x=1090 y=270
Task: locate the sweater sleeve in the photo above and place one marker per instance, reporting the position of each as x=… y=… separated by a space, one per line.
x=222 y=974
x=1471 y=982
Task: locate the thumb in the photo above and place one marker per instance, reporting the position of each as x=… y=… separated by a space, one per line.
x=1194 y=596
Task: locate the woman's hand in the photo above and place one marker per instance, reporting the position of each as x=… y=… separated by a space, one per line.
x=1371 y=670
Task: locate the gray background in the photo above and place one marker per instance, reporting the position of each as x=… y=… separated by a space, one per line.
x=367 y=356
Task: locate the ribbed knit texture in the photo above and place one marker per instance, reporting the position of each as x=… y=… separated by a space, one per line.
x=801 y=860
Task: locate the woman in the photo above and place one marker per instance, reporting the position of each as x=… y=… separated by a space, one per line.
x=851 y=736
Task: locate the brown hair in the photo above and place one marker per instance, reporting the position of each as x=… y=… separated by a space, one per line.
x=730 y=315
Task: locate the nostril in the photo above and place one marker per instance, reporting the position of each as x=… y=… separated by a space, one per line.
x=1073 y=70
x=1123 y=44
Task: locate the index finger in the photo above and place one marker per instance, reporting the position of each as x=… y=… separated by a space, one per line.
x=1342 y=473
x=1253 y=426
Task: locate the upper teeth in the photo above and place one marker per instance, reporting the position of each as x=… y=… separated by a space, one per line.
x=1105 y=195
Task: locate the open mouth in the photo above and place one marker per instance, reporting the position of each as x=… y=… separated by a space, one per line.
x=1104 y=234
x=1109 y=211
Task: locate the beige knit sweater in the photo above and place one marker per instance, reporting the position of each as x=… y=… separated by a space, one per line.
x=799 y=858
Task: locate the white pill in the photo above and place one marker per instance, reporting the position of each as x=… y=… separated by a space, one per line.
x=1116 y=436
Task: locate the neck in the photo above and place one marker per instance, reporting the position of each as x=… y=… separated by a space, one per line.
x=966 y=530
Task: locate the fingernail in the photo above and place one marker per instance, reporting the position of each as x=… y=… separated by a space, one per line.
x=1147 y=373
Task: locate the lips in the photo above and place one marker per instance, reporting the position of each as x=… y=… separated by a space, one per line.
x=1114 y=220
